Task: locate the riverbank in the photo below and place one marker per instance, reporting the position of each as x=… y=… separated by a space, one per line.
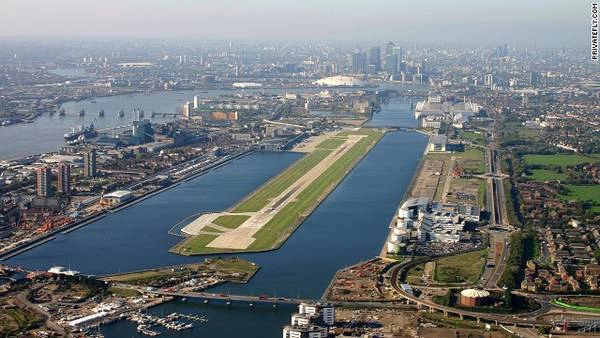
x=46 y=237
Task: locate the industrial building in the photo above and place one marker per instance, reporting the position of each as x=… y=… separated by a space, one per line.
x=437 y=143
x=61 y=270
x=438 y=106
x=118 y=196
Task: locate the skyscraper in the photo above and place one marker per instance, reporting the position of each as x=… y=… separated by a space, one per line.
x=89 y=163
x=196 y=100
x=63 y=184
x=375 y=58
x=43 y=181
x=534 y=77
x=359 y=61
x=389 y=49
x=391 y=64
x=186 y=111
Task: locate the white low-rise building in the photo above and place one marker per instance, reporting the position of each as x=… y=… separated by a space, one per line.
x=304 y=331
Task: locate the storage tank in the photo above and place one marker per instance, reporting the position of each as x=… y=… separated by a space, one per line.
x=473 y=297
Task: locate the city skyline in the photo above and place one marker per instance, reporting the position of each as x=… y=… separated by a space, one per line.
x=534 y=23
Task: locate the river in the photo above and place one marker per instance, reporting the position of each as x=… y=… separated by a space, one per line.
x=45 y=133
x=349 y=226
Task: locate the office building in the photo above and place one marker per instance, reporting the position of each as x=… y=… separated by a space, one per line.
x=43 y=181
x=488 y=80
x=142 y=132
x=391 y=64
x=187 y=113
x=63 y=184
x=359 y=62
x=89 y=163
x=534 y=78
x=389 y=49
x=375 y=59
x=196 y=96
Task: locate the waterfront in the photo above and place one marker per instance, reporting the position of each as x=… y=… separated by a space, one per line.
x=45 y=133
x=349 y=226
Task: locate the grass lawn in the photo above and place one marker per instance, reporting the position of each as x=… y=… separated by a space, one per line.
x=562 y=160
x=414 y=275
x=219 y=265
x=195 y=244
x=575 y=307
x=471 y=159
x=466 y=267
x=235 y=264
x=15 y=320
x=231 y=221
x=123 y=292
x=476 y=138
x=584 y=193
x=543 y=175
x=331 y=143
x=260 y=198
x=481 y=190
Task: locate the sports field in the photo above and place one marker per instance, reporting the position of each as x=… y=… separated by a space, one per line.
x=264 y=219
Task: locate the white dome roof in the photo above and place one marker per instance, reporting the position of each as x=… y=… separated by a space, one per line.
x=474 y=293
x=340 y=80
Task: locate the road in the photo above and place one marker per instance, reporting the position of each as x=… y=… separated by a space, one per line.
x=522 y=319
x=499 y=231
x=22 y=297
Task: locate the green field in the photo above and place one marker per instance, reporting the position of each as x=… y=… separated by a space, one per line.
x=331 y=143
x=13 y=321
x=562 y=160
x=283 y=224
x=576 y=307
x=260 y=198
x=543 y=175
x=584 y=193
x=462 y=268
x=476 y=138
x=123 y=292
x=219 y=265
x=471 y=159
x=230 y=221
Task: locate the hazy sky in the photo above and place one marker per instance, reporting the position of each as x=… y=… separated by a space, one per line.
x=531 y=22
